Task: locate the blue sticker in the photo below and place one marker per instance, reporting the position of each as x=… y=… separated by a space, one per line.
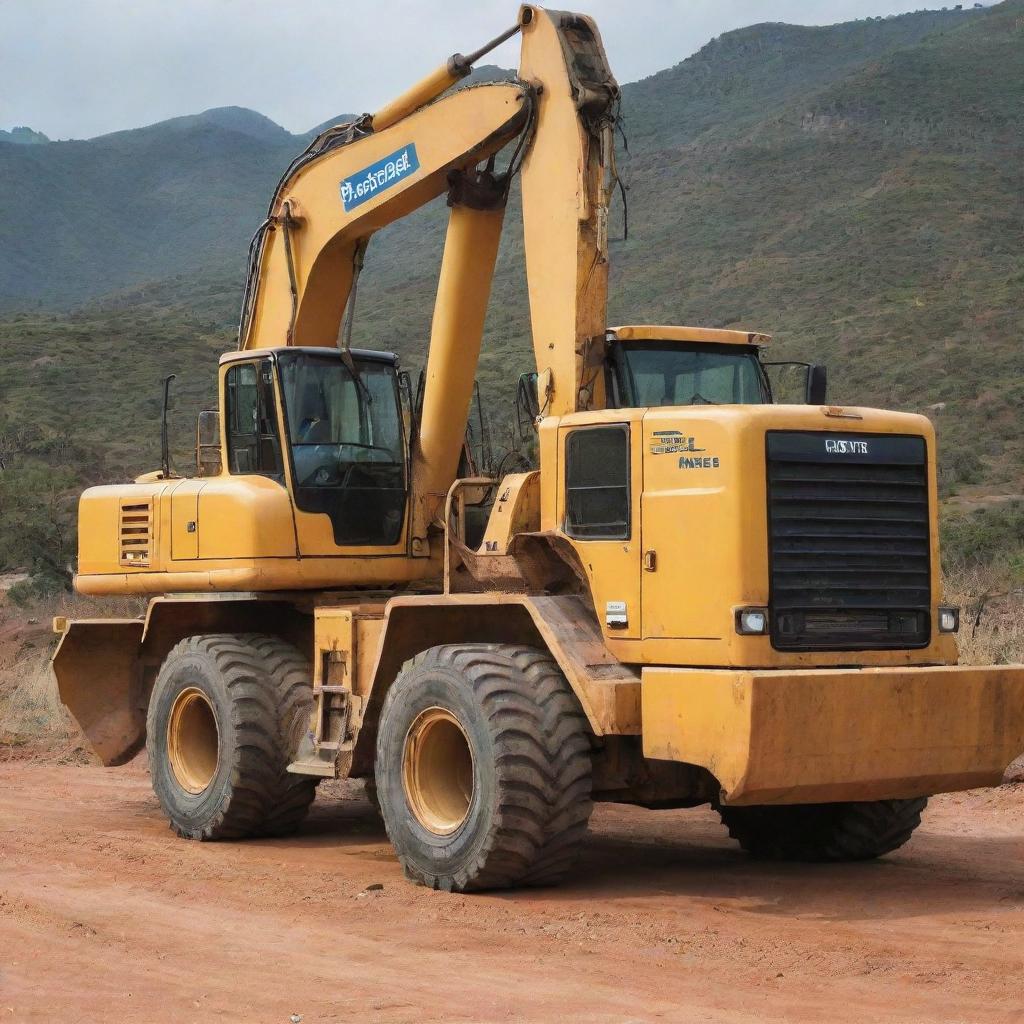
x=365 y=184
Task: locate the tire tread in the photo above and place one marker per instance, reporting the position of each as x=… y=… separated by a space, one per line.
x=267 y=683
x=542 y=765
x=824 y=832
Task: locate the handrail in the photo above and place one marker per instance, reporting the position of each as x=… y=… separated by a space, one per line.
x=449 y=501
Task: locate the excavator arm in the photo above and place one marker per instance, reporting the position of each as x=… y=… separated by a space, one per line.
x=327 y=208
x=357 y=178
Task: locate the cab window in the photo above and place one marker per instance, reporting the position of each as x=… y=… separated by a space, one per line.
x=597 y=505
x=251 y=413
x=347 y=442
x=661 y=373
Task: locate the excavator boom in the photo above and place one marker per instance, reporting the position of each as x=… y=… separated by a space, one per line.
x=358 y=178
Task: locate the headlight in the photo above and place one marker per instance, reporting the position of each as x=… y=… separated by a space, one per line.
x=752 y=621
x=949 y=620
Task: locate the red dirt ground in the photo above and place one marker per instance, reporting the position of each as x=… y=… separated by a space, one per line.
x=106 y=916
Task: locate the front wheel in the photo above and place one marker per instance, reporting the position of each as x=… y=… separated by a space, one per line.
x=483 y=768
x=225 y=717
x=824 y=832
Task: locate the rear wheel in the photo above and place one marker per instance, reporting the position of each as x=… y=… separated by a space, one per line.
x=225 y=718
x=483 y=768
x=824 y=832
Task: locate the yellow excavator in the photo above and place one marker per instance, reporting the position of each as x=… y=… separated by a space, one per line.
x=701 y=595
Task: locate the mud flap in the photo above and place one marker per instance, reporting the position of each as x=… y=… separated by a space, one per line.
x=99 y=678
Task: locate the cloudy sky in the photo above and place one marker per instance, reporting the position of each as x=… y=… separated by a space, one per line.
x=79 y=68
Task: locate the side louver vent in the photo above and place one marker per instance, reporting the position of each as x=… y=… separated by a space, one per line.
x=135 y=532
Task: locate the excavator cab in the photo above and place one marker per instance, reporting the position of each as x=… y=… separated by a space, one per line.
x=330 y=428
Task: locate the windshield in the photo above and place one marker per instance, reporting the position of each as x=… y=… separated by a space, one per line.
x=657 y=373
x=347 y=444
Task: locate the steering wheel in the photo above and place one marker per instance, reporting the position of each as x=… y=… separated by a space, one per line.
x=327 y=473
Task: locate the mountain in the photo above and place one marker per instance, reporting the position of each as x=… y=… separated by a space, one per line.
x=854 y=190
x=86 y=218
x=23 y=136
x=872 y=220
x=192 y=189
x=237 y=120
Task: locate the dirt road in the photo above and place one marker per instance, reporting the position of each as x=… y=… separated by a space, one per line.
x=105 y=916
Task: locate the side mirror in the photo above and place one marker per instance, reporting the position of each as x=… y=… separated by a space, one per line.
x=817 y=384
x=527 y=401
x=208 y=444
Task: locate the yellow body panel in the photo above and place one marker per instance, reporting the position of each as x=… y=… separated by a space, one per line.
x=184 y=497
x=516 y=510
x=847 y=734
x=246 y=538
x=700 y=508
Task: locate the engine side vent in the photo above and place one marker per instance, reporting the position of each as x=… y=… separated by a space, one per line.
x=135 y=532
x=850 y=551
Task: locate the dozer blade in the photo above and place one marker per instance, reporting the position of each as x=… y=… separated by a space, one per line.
x=823 y=735
x=99 y=679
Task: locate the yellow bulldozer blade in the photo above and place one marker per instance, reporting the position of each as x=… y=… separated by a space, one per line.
x=99 y=679
x=809 y=736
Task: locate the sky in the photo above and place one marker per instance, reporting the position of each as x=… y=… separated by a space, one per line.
x=80 y=68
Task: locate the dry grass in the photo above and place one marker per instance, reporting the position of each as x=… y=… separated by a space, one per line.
x=991 y=599
x=33 y=722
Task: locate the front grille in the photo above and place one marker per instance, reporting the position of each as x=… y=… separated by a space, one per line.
x=849 y=549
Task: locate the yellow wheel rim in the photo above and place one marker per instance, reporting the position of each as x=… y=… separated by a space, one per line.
x=193 y=740
x=437 y=771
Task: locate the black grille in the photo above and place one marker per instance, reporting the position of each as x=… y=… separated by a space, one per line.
x=849 y=551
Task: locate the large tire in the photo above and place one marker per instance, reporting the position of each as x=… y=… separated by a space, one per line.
x=513 y=784
x=824 y=832
x=225 y=719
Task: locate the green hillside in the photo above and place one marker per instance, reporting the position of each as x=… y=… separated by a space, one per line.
x=854 y=190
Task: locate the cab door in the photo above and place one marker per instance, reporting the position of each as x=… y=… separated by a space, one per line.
x=599 y=509
x=349 y=461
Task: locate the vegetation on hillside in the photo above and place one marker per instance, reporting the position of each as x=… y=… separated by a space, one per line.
x=80 y=402
x=853 y=190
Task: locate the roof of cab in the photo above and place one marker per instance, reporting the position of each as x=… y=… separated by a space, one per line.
x=654 y=332
x=313 y=350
